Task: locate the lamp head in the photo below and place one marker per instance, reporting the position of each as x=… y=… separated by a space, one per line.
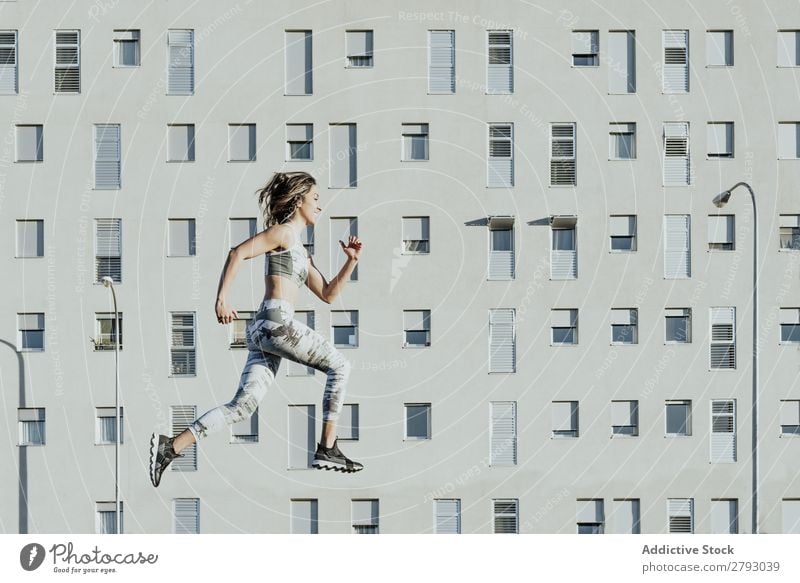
x=107 y=281
x=722 y=199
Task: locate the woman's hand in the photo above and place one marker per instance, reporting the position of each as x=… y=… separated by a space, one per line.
x=353 y=247
x=224 y=313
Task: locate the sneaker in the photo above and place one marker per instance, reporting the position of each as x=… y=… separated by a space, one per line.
x=331 y=458
x=161 y=455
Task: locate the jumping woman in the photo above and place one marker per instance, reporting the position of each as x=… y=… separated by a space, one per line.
x=288 y=202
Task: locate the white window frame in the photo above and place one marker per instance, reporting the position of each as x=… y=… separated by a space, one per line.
x=722 y=444
x=616 y=128
x=572 y=317
x=107 y=153
x=409 y=131
x=369 y=50
x=183 y=47
x=111 y=228
x=133 y=36
x=293 y=130
x=590 y=512
x=687 y=403
x=677 y=154
x=499 y=67
x=234 y=130
x=108 y=509
x=507 y=317
x=353 y=318
x=685 y=313
x=618 y=318
x=11 y=70
x=66 y=66
x=186 y=515
x=28 y=415
x=672 y=44
x=726 y=316
x=787 y=50
x=592 y=43
x=683 y=509
x=493 y=178
x=557 y=161
x=373 y=523
x=425 y=318
x=788 y=130
x=560 y=420
x=789 y=225
x=41 y=326
x=447 y=516
x=499 y=258
x=684 y=224
x=728 y=153
x=437 y=67
x=425 y=242
x=102 y=413
x=180 y=349
x=104 y=342
x=22 y=231
x=239 y=340
x=789 y=317
x=503 y=513
x=191 y=234
x=503 y=417
x=629 y=429
x=789 y=418
x=727 y=34
x=615 y=231
x=427 y=436
x=39 y=155
x=717 y=241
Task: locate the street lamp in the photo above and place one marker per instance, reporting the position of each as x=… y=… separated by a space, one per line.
x=108 y=282
x=721 y=200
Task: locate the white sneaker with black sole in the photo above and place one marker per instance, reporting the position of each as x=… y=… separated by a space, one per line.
x=330 y=458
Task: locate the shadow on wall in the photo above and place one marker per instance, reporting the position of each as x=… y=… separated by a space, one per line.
x=22 y=466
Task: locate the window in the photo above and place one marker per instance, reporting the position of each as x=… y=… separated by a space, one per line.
x=30 y=145
x=126 y=48
x=30 y=238
x=298 y=62
x=241 y=142
x=621 y=61
x=180 y=56
x=678 y=325
x=418 y=421
x=677 y=247
x=347 y=425
x=106 y=517
x=31 y=426
x=677 y=171
x=503 y=433
x=415 y=142
x=240 y=230
x=359 y=48
x=680 y=515
x=342 y=228
x=789 y=417
x=182 y=238
x=678 y=418
x=502 y=340
x=719 y=48
x=626 y=518
x=108 y=244
x=720 y=232
x=416 y=235
x=239 y=328
x=565 y=418
x=447 y=516
x=106 y=425
x=624 y=326
x=719 y=136
x=723 y=338
x=365 y=516
x=624 y=418
x=506 y=516
x=676 y=61
x=562 y=155
x=246 y=430
x=181 y=416
x=725 y=516
x=31 y=332
x=416 y=328
x=788 y=140
x=789 y=232
x=299 y=141
x=622 y=230
x=790 y=325
x=500 y=168
x=589 y=516
x=106 y=331
x=295 y=369
x=301 y=436
x=723 y=430
x=9 y=64
x=501 y=248
x=67 y=68
x=307 y=238
x=790 y=515
x=585 y=48
x=305 y=517
x=788 y=48
x=622 y=141
x=344 y=324
x=441 y=61
x=180 y=143
x=186 y=512
x=182 y=344
x=107 y=157
x=564 y=248
x=563 y=326
x=343 y=155
x=499 y=73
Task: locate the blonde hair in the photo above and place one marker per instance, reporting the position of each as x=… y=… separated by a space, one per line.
x=279 y=198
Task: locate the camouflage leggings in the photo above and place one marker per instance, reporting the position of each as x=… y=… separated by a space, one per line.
x=274 y=335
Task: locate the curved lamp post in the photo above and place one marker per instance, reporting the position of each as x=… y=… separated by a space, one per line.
x=108 y=282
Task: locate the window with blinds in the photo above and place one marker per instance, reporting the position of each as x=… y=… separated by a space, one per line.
x=180 y=417
x=364 y=516
x=186 y=515
x=415 y=142
x=299 y=65
x=724 y=516
x=502 y=340
x=299 y=141
x=624 y=326
x=499 y=50
x=625 y=418
x=590 y=516
x=416 y=235
x=677 y=170
x=29 y=143
x=30 y=331
x=565 y=418
x=359 y=48
x=31 y=426
x=505 y=516
x=500 y=169
x=108 y=245
x=30 y=238
x=677 y=325
x=107 y=157
x=503 y=433
x=788 y=48
x=343 y=155
x=239 y=328
x=416 y=328
x=344 y=328
x=723 y=431
x=342 y=228
x=241 y=142
x=622 y=141
x=789 y=232
x=296 y=369
x=677 y=247
x=9 y=63
x=182 y=344
x=677 y=417
x=106 y=425
x=788 y=140
x=182 y=239
x=301 y=428
x=501 y=248
x=621 y=61
x=304 y=516
x=789 y=415
x=675 y=72
x=563 y=247
x=441 y=61
x=180 y=59
x=680 y=515
x=105 y=337
x=622 y=230
x=562 y=155
x=721 y=232
x=719 y=48
x=723 y=338
x=126 y=48
x=106 y=517
x=790 y=325
x=447 y=516
x=240 y=230
x=67 y=59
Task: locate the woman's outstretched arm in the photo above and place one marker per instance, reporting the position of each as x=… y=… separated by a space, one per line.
x=328 y=291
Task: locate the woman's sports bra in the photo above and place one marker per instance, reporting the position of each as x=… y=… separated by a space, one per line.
x=291 y=263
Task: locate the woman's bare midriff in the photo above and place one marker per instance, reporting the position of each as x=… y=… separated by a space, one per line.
x=280 y=288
